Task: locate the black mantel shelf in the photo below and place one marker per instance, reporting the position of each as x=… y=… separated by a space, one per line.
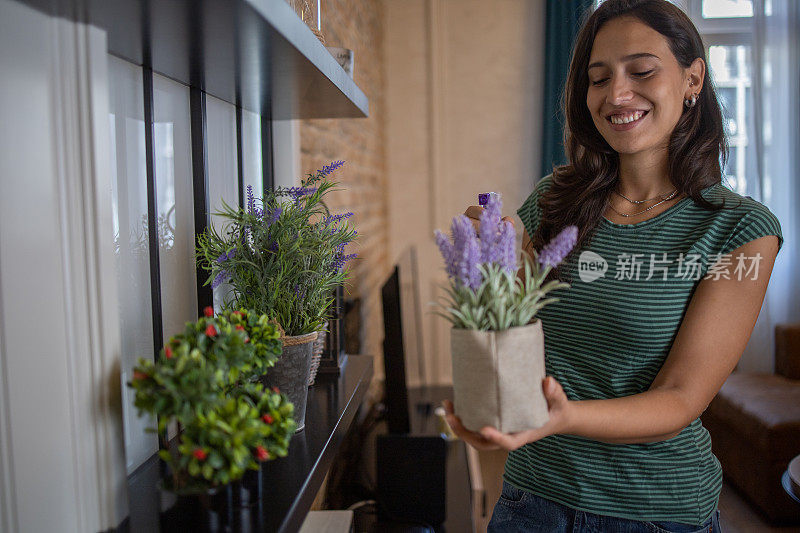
x=289 y=483
x=255 y=53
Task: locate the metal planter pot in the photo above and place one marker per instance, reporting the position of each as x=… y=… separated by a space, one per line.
x=290 y=373
x=211 y=510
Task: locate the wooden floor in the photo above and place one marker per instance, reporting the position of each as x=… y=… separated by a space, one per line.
x=737 y=516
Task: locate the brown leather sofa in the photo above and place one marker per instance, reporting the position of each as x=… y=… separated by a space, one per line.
x=754 y=423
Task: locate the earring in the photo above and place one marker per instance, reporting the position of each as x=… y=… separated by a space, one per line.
x=690 y=103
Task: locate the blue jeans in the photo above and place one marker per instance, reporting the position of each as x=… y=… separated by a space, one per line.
x=520 y=510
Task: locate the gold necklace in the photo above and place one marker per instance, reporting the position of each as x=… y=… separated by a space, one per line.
x=648 y=209
x=641 y=201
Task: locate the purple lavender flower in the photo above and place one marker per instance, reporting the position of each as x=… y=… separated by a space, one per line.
x=448 y=253
x=274 y=214
x=341 y=260
x=489 y=231
x=334 y=219
x=251 y=203
x=225 y=256
x=327 y=169
x=557 y=249
x=299 y=192
x=467 y=254
x=300 y=293
x=508 y=243
x=221 y=277
x=498 y=240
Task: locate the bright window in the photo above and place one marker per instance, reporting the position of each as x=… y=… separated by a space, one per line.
x=727 y=8
x=730 y=69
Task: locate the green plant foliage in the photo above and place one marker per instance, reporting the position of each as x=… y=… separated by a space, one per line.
x=502 y=300
x=263 y=335
x=203 y=379
x=283 y=255
x=229 y=437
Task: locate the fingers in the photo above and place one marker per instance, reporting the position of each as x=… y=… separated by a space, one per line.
x=448 y=406
x=509 y=441
x=551 y=387
x=547 y=385
x=474 y=439
x=554 y=393
x=503 y=440
x=474 y=212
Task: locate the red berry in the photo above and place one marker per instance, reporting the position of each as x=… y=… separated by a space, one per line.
x=276 y=390
x=211 y=330
x=239 y=327
x=239 y=313
x=267 y=419
x=208 y=311
x=199 y=454
x=261 y=453
x=168 y=352
x=139 y=375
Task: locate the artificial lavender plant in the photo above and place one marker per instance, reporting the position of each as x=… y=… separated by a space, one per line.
x=485 y=292
x=283 y=255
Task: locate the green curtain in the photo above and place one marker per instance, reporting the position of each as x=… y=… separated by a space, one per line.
x=563 y=21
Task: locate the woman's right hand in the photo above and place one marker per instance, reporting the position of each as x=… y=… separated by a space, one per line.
x=473 y=438
x=474 y=213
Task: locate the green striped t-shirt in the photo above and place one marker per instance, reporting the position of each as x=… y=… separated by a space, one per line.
x=608 y=337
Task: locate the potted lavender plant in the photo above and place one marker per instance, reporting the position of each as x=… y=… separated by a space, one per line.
x=497 y=343
x=283 y=256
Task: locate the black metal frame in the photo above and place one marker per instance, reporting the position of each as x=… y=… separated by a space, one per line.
x=199 y=148
x=197 y=106
x=240 y=155
x=199 y=153
x=267 y=159
x=152 y=223
x=152 y=211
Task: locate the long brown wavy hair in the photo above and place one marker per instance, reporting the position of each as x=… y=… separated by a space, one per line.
x=581 y=189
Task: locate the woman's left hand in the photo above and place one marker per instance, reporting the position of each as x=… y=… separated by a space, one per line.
x=558 y=407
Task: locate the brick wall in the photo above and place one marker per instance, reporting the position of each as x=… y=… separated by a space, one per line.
x=357 y=24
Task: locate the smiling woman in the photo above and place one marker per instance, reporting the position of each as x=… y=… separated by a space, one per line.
x=643 y=340
x=643 y=90
x=629 y=60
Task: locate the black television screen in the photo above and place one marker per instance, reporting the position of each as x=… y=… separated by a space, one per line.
x=394 y=364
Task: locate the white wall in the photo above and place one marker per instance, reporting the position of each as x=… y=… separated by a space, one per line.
x=286 y=152
x=464 y=83
x=61 y=453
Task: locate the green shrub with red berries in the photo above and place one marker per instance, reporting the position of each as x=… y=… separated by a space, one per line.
x=205 y=380
x=224 y=440
x=264 y=336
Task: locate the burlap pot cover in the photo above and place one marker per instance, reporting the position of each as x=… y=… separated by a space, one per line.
x=497 y=378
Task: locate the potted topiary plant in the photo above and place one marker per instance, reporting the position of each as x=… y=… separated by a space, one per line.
x=497 y=343
x=203 y=380
x=283 y=255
